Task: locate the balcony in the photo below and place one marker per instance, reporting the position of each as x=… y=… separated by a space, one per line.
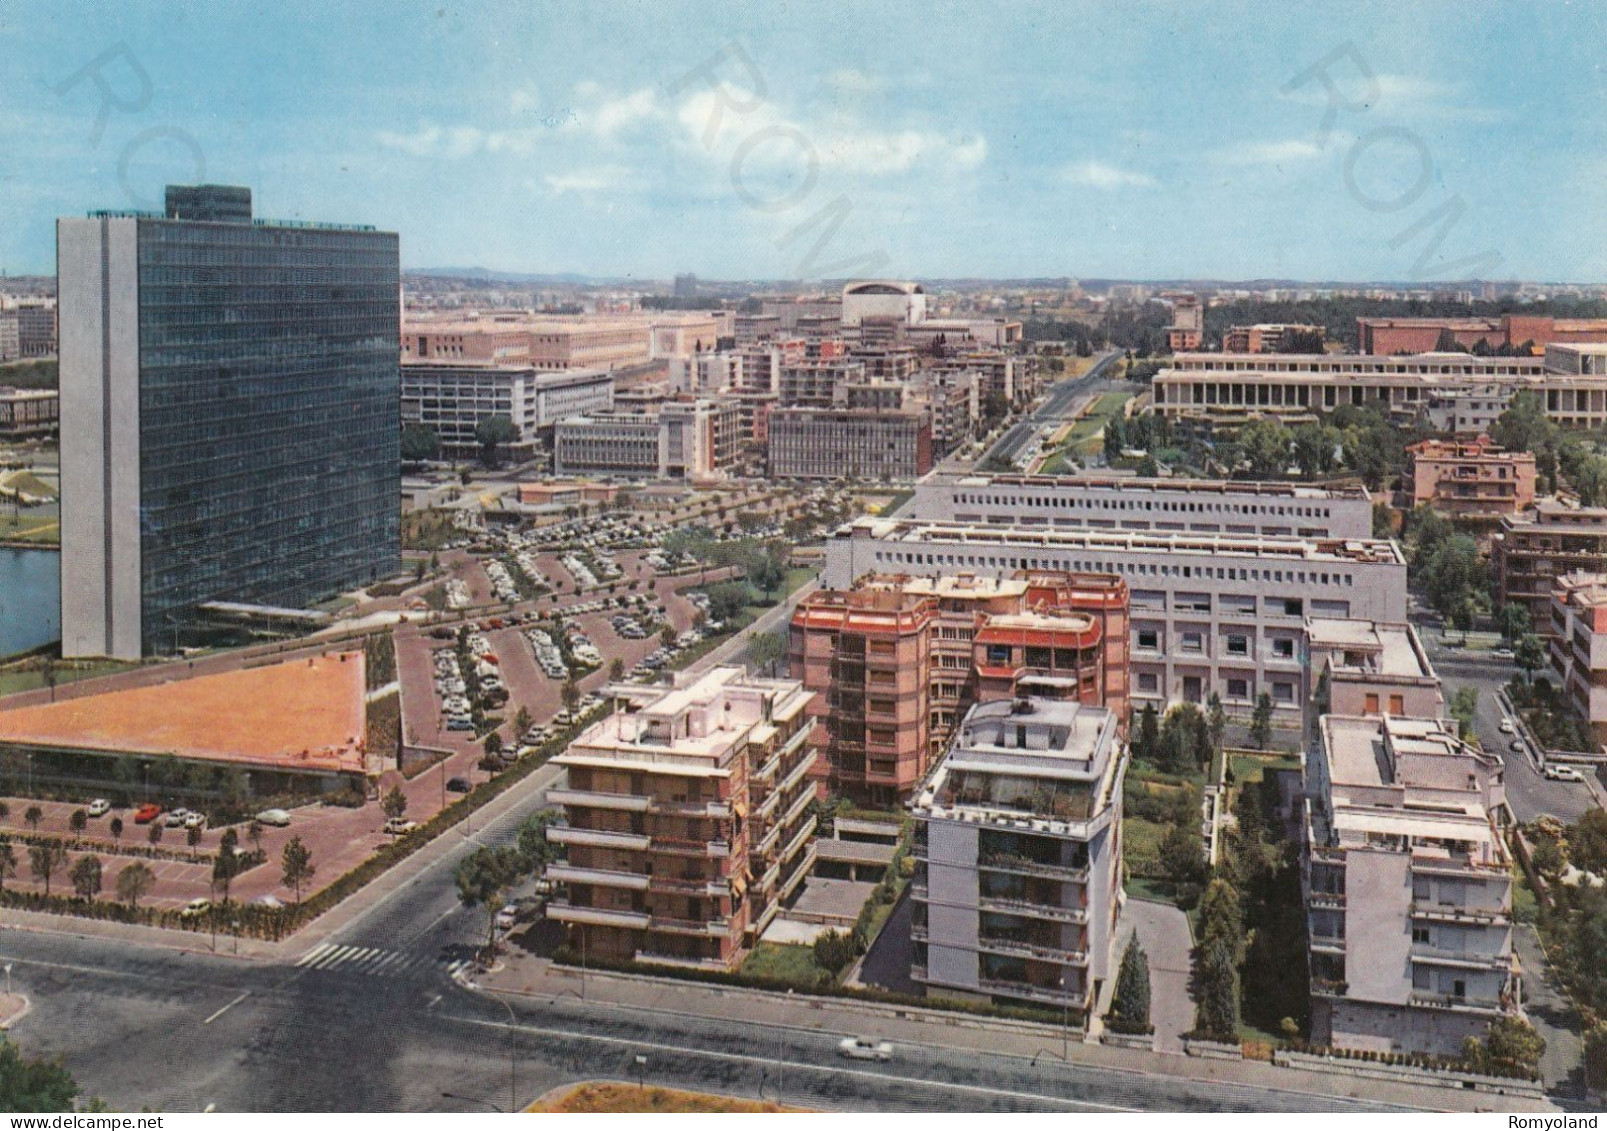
x=1328 y=944
x=1440 y=956
x=597 y=838
x=566 y=912
x=659 y=959
x=1324 y=987
x=1032 y=910
x=799 y=839
x=1450 y=1001
x=1025 y=949
x=569 y=874
x=1463 y=866
x=1031 y=991
x=796 y=808
x=716 y=887
x=1026 y=865
x=708 y=808
x=587 y=799
x=674 y=846
x=1444 y=913
x=712 y=928
x=1334 y=900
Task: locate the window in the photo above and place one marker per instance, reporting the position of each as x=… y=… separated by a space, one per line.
x=1370 y=704
x=1397 y=704
x=1292 y=606
x=1238 y=645
x=1149 y=638
x=1193 y=642
x=1283 y=692
x=1149 y=681
x=1238 y=689
x=1284 y=648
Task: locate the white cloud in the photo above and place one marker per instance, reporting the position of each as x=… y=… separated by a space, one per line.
x=1097 y=174
x=584 y=180
x=1284 y=152
x=616 y=114
x=454 y=143
x=848 y=80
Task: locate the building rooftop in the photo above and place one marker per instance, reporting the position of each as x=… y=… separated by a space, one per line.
x=1130 y=484
x=303 y=714
x=1581 y=589
x=1373 y=647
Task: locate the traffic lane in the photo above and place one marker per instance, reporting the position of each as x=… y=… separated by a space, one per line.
x=1529 y=793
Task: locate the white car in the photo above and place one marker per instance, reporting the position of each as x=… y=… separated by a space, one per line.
x=1507 y=727
x=99 y=807
x=508 y=917
x=864 y=1048
x=196 y=907
x=277 y=818
x=1563 y=773
x=195 y=820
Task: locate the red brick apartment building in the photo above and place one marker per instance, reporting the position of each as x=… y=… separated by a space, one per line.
x=1422 y=335
x=897 y=661
x=1470 y=480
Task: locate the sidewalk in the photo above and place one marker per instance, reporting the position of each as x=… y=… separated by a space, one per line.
x=538 y=978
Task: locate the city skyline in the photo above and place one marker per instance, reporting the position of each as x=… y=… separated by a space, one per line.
x=967 y=143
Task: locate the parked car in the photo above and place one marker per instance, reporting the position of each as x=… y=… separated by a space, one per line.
x=864 y=1048
x=195 y=907
x=396 y=826
x=1517 y=746
x=176 y=817
x=272 y=902
x=1507 y=727
x=1563 y=773
x=145 y=814
x=458 y=785
x=277 y=818
x=99 y=807
x=195 y=820
x=507 y=918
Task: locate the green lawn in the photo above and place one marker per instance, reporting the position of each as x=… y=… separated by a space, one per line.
x=1141 y=845
x=787 y=962
x=36 y=529
x=1249 y=768
x=14 y=680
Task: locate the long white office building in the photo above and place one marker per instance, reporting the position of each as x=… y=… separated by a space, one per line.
x=450 y=398
x=1113 y=502
x=1210 y=612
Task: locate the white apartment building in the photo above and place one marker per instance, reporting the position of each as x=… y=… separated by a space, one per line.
x=451 y=397
x=1017 y=885
x=1407 y=886
x=677 y=439
x=705 y=373
x=1209 y=612
x=1192 y=506
x=1371 y=668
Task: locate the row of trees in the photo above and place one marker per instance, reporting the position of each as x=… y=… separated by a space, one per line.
x=485 y=876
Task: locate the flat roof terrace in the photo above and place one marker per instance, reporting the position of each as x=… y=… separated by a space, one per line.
x=297 y=715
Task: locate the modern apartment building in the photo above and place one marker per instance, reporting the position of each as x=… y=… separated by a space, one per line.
x=1188 y=323
x=685 y=438
x=28 y=412
x=1366 y=668
x=816 y=382
x=1578 y=632
x=686 y=820
x=230 y=415
x=450 y=398
x=898 y=661
x=1110 y=502
x=10 y=341
x=808 y=443
x=1531 y=550
x=1269 y=337
x=546 y=343
x=1210 y=612
x=36 y=329
x=1408 y=887
x=1471 y=481
x=1017 y=884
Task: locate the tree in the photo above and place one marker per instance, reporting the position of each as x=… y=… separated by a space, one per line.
x=45 y=860
x=616 y=669
x=491 y=433
x=1465 y=709
x=115 y=827
x=1266 y=445
x=570 y=694
x=78 y=822
x=1315 y=448
x=1453 y=577
x=394 y=803
x=1511 y=1046
x=1512 y=619
x=1596 y=1057
x=1530 y=655
x=297 y=866
x=134 y=882
x=493 y=745
x=1587 y=841
x=192 y=836
x=225 y=866
x=1148 y=733
x=33 y=816
x=521 y=722
x=1181 y=854
x=254 y=833
x=34 y=1085
x=8 y=861
x=1383 y=520
x=1216 y=1015
x=419 y=444
x=834 y=950
x=767 y=650
x=153 y=832
x=535 y=850
x=666 y=636
x=1216 y=721
x=1129 y=1008
x=85 y=877
x=1222 y=919
x=483 y=877
x=1261 y=722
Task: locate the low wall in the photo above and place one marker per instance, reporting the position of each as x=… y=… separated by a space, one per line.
x=1370 y=1070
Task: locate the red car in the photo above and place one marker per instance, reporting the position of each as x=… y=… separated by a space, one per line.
x=145 y=814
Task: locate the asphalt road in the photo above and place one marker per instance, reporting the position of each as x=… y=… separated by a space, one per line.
x=1056 y=405
x=371 y=1020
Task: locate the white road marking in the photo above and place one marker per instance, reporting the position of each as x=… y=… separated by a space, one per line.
x=226 y=1008
x=316 y=952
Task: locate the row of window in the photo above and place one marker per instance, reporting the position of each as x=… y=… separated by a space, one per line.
x=1059 y=499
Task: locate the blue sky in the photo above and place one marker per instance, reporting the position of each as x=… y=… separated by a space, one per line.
x=1129 y=140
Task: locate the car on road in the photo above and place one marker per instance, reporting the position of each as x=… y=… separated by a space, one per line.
x=195 y=820
x=197 y=906
x=1563 y=773
x=1503 y=654
x=99 y=807
x=145 y=814
x=864 y=1048
x=272 y=902
x=1507 y=727
x=176 y=817
x=508 y=917
x=277 y=818
x=396 y=826
x=1517 y=746
x=458 y=785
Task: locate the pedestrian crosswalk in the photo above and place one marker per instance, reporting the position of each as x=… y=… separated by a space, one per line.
x=370 y=960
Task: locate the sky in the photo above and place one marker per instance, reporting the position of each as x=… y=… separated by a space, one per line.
x=1401 y=142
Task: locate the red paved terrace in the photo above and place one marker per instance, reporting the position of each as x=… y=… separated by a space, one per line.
x=303 y=714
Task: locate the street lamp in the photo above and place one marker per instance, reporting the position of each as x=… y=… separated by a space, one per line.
x=641 y=1071
x=8 y=979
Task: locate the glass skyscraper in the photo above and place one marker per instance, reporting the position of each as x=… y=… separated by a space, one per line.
x=230 y=415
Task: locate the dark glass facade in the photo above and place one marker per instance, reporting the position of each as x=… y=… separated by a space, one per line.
x=269 y=414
